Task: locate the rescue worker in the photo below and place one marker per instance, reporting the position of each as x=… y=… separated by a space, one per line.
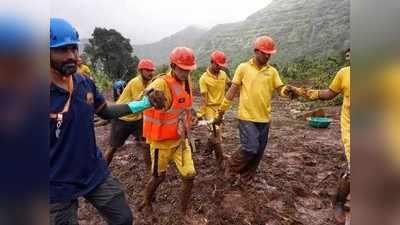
x=123 y=127
x=213 y=84
x=117 y=89
x=83 y=69
x=167 y=130
x=256 y=80
x=76 y=166
x=339 y=85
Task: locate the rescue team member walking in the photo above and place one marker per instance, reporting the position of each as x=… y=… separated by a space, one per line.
x=167 y=130
x=77 y=168
x=123 y=127
x=256 y=81
x=212 y=84
x=339 y=85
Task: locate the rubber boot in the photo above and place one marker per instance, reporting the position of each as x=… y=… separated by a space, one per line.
x=186 y=192
x=249 y=172
x=149 y=192
x=248 y=175
x=234 y=166
x=237 y=162
x=341 y=198
x=109 y=154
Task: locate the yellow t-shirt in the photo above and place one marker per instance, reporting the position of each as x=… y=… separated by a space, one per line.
x=132 y=92
x=84 y=70
x=386 y=86
x=256 y=90
x=341 y=84
x=161 y=84
x=214 y=87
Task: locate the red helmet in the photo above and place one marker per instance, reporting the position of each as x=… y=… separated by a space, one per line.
x=146 y=64
x=219 y=58
x=183 y=57
x=265 y=44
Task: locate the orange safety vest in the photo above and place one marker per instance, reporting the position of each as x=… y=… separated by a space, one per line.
x=159 y=125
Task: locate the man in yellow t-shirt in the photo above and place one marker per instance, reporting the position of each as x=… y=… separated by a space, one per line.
x=123 y=127
x=166 y=134
x=83 y=69
x=256 y=81
x=212 y=84
x=339 y=85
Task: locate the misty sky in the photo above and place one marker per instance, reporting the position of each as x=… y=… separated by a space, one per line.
x=146 y=21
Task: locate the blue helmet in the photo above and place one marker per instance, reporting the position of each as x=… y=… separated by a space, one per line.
x=119 y=84
x=62 y=33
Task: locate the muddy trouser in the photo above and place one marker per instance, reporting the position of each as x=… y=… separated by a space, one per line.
x=121 y=130
x=108 y=198
x=253 y=140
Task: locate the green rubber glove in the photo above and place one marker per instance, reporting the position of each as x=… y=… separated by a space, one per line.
x=139 y=106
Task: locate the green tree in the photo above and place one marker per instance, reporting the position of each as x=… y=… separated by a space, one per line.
x=132 y=69
x=112 y=53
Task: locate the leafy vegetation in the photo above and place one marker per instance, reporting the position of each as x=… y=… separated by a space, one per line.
x=316 y=73
x=102 y=81
x=112 y=54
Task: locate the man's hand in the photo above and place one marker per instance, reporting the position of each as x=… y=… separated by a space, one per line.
x=293 y=92
x=156 y=97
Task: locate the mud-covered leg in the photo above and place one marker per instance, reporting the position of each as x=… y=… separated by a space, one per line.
x=236 y=165
x=185 y=195
x=151 y=187
x=146 y=156
x=149 y=192
x=109 y=154
x=341 y=198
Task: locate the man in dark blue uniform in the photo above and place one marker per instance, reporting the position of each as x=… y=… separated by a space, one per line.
x=77 y=168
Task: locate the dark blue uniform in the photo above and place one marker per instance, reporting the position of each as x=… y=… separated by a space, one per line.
x=77 y=168
x=76 y=164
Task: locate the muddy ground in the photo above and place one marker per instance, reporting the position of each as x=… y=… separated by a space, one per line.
x=295 y=183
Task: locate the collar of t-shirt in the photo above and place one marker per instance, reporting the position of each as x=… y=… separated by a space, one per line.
x=253 y=63
x=213 y=75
